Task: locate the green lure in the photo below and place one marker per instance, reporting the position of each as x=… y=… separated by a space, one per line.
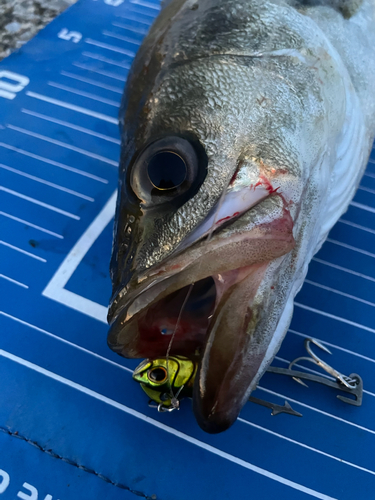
x=166 y=380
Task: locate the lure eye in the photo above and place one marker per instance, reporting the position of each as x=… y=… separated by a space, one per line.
x=158 y=375
x=166 y=170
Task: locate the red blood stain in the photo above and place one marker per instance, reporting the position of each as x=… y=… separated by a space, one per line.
x=234 y=177
x=266 y=183
x=227 y=218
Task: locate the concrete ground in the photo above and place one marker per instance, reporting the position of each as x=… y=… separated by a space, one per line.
x=20 y=20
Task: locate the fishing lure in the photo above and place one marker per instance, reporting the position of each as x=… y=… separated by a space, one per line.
x=169 y=380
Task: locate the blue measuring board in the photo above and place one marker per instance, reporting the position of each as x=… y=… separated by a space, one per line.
x=74 y=426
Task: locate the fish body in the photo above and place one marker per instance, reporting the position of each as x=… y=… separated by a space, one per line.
x=246 y=128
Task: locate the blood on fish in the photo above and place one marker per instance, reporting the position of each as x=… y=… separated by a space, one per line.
x=227 y=218
x=266 y=183
x=234 y=176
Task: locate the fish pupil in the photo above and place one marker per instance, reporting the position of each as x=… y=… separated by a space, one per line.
x=166 y=170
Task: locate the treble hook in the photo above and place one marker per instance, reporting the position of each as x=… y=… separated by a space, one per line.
x=348 y=382
x=352 y=384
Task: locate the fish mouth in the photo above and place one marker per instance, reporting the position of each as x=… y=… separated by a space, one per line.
x=209 y=299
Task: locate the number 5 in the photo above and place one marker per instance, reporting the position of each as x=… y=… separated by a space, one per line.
x=65 y=34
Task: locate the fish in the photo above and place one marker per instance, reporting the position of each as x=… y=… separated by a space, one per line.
x=246 y=126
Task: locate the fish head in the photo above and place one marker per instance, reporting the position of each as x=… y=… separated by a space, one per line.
x=210 y=186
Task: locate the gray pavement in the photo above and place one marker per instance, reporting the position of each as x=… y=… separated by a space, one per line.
x=21 y=20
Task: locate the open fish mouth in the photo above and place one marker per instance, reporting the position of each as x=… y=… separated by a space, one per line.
x=207 y=300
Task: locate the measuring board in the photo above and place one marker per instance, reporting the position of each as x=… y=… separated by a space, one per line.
x=74 y=424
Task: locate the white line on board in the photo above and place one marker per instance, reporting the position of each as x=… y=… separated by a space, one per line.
x=143 y=3
x=332 y=316
x=343 y=294
x=350 y=247
x=72 y=126
x=335 y=417
x=362 y=206
x=91 y=82
x=136 y=9
x=348 y=351
x=121 y=37
x=113 y=48
x=22 y=251
x=166 y=428
x=55 y=289
x=38 y=202
x=76 y=346
x=100 y=72
x=54 y=163
x=13 y=281
x=140 y=31
x=298 y=443
x=63 y=145
x=357 y=226
x=47 y=183
x=98 y=57
x=27 y=223
x=82 y=93
x=136 y=19
x=73 y=107
x=368 y=190
x=345 y=269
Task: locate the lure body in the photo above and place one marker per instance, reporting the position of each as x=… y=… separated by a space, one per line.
x=163 y=378
x=246 y=128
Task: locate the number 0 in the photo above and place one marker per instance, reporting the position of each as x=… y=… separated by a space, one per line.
x=9 y=90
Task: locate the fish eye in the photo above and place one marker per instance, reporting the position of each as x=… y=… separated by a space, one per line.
x=158 y=374
x=166 y=170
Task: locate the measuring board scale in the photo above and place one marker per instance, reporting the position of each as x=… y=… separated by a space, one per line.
x=64 y=389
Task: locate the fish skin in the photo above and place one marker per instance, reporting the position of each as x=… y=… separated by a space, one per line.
x=276 y=93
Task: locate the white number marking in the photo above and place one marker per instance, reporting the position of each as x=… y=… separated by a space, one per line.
x=32 y=490
x=9 y=90
x=5 y=479
x=73 y=36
